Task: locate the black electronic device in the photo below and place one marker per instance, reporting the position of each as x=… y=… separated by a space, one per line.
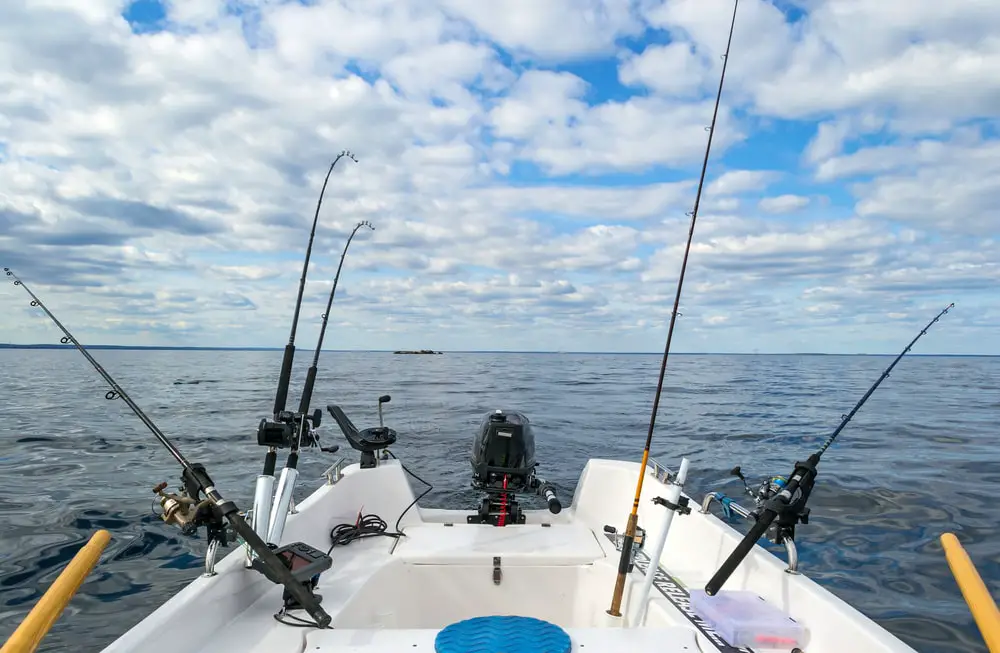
x=503 y=464
x=367 y=441
x=303 y=561
x=306 y=564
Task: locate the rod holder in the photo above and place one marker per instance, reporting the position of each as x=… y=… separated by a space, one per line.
x=279 y=511
x=726 y=502
x=673 y=497
x=729 y=505
x=262 y=498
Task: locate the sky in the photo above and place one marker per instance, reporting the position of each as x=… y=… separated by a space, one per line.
x=528 y=167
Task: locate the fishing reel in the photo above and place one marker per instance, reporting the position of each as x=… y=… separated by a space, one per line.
x=789 y=514
x=291 y=429
x=768 y=488
x=189 y=513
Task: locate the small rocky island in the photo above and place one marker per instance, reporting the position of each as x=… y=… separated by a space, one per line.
x=416 y=351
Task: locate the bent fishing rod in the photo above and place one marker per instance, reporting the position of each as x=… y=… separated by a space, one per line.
x=284 y=378
x=788 y=503
x=305 y=430
x=196 y=480
x=307 y=391
x=630 y=528
x=279 y=431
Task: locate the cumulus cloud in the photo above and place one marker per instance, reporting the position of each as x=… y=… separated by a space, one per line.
x=783 y=203
x=528 y=167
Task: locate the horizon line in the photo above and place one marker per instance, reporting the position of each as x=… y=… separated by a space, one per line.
x=475 y=351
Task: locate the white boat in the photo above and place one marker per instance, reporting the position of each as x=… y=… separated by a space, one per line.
x=491 y=579
x=398 y=594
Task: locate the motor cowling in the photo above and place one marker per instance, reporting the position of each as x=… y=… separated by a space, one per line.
x=503 y=447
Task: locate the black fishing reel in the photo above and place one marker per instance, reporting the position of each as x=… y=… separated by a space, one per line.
x=767 y=488
x=790 y=512
x=292 y=430
x=188 y=512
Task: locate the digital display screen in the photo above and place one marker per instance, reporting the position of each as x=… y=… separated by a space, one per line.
x=296 y=561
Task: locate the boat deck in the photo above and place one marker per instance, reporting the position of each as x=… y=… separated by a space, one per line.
x=584 y=640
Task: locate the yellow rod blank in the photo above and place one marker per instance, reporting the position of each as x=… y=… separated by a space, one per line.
x=977 y=597
x=36 y=625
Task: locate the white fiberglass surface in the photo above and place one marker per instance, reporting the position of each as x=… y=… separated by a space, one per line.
x=518 y=544
x=402 y=595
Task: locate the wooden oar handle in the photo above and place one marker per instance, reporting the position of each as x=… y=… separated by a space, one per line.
x=977 y=597
x=39 y=621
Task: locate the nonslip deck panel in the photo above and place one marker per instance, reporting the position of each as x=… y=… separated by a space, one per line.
x=583 y=640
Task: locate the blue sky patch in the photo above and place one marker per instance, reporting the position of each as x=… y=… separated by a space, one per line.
x=145 y=16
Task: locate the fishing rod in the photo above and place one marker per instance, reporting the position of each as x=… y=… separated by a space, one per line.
x=311 y=373
x=628 y=539
x=286 y=362
x=289 y=474
x=786 y=500
x=280 y=431
x=186 y=510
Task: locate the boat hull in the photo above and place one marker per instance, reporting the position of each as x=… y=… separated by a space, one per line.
x=383 y=592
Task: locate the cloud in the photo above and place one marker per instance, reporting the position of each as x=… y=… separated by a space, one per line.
x=783 y=203
x=555 y=30
x=548 y=121
x=528 y=167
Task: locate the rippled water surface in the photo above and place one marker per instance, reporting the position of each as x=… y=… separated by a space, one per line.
x=921 y=458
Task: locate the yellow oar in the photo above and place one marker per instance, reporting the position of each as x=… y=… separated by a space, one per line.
x=981 y=604
x=36 y=625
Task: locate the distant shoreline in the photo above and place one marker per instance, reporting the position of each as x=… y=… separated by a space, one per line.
x=481 y=351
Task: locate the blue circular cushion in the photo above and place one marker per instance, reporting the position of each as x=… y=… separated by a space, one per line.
x=501 y=634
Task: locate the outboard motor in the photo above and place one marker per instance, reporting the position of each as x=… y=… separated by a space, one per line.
x=503 y=464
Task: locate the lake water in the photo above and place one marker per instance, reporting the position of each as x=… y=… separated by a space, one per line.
x=921 y=458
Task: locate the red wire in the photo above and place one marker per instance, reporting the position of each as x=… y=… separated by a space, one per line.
x=503 y=503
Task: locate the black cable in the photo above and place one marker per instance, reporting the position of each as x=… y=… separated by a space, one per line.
x=365 y=526
x=302 y=623
x=414 y=502
x=372 y=525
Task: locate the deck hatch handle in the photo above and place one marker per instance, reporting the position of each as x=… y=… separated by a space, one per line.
x=497 y=573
